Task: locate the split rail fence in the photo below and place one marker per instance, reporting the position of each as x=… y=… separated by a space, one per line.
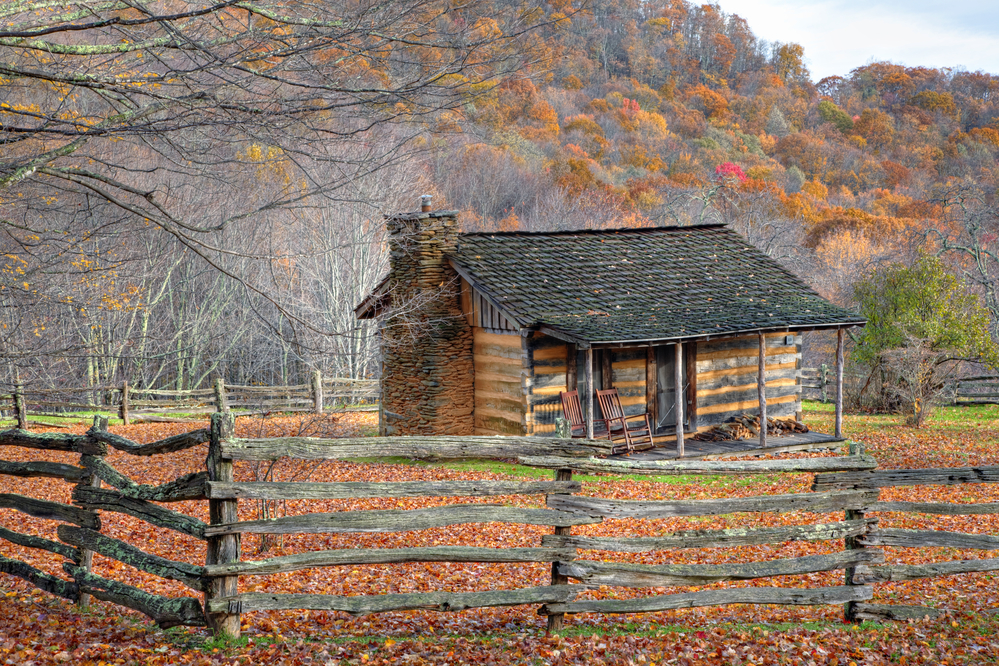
x=820 y=383
x=845 y=488
x=131 y=402
x=976 y=390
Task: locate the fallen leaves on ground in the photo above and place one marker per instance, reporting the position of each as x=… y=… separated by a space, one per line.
x=36 y=628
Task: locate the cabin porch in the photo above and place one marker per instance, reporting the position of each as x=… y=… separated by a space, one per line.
x=695 y=450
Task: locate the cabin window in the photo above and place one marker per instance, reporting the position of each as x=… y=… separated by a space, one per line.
x=665 y=417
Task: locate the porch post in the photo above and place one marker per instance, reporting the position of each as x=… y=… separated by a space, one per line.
x=761 y=389
x=839 y=382
x=680 y=397
x=589 y=392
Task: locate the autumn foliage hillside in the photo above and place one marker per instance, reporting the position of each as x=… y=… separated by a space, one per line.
x=667 y=112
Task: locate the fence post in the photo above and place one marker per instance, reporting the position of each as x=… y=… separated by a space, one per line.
x=852 y=543
x=221 y=401
x=839 y=382
x=824 y=382
x=317 y=391
x=123 y=408
x=761 y=388
x=90 y=481
x=222 y=549
x=20 y=408
x=557 y=620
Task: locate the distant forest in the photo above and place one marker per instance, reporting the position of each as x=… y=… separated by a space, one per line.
x=600 y=114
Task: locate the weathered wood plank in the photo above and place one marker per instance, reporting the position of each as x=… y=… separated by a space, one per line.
x=188 y=574
x=40 y=579
x=171 y=444
x=743 y=595
x=774 y=410
x=746 y=351
x=359 y=489
x=164 y=611
x=900 y=572
x=189 y=392
x=906 y=477
x=724 y=383
x=557 y=621
x=879 y=612
x=505 y=422
x=360 y=556
x=51 y=441
x=364 y=605
x=928 y=539
x=612 y=508
x=225 y=548
x=937 y=508
x=626 y=466
x=774 y=392
x=188 y=487
x=747 y=405
x=420 y=448
x=243 y=388
x=49 y=510
x=398 y=520
x=620 y=574
x=29 y=541
x=53 y=470
x=739 y=536
x=140 y=404
x=86 y=559
x=107 y=499
x=708 y=370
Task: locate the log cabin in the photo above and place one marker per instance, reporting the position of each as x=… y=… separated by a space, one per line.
x=482 y=331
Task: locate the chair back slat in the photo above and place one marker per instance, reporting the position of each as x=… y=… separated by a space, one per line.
x=571 y=408
x=610 y=404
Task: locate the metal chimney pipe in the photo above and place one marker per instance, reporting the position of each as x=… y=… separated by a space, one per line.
x=425 y=203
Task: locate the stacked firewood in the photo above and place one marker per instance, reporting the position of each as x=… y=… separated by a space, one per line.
x=744 y=425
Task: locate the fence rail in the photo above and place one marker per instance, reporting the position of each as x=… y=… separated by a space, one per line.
x=976 y=390
x=820 y=384
x=846 y=488
x=132 y=402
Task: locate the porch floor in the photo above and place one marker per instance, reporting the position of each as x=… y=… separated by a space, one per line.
x=694 y=450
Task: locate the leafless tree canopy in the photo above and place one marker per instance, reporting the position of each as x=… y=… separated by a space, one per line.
x=188 y=189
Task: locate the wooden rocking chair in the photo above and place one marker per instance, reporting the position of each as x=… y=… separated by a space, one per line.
x=617 y=421
x=574 y=415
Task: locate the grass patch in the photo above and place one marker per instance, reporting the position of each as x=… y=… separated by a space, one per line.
x=944 y=420
x=69 y=419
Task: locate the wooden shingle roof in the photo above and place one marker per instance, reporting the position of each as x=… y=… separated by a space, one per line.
x=640 y=285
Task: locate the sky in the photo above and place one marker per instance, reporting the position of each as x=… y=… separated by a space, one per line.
x=841 y=35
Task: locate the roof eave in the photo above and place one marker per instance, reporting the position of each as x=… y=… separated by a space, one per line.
x=800 y=328
x=509 y=314
x=373 y=302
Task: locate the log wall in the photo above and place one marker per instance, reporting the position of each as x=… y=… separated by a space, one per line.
x=727 y=369
x=547 y=360
x=501 y=382
x=724 y=385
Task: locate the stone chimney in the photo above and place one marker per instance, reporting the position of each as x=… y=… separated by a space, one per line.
x=427 y=369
